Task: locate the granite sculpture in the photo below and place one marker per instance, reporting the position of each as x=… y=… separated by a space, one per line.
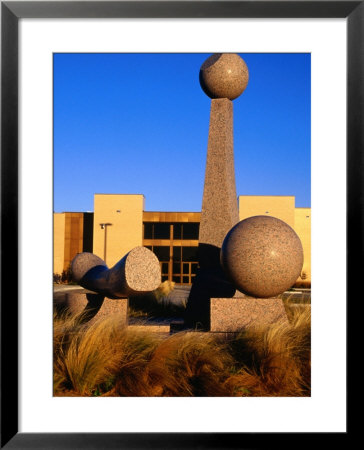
x=107 y=290
x=137 y=273
x=223 y=77
x=241 y=265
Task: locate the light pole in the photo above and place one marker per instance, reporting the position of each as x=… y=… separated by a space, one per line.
x=104 y=227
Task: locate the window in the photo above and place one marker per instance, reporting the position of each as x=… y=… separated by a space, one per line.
x=176 y=267
x=162 y=253
x=158 y=230
x=161 y=230
x=184 y=264
x=189 y=254
x=177 y=231
x=177 y=253
x=190 y=230
x=186 y=268
x=185 y=230
x=148 y=230
x=181 y=265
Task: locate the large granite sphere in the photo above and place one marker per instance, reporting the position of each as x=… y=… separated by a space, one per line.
x=262 y=256
x=224 y=75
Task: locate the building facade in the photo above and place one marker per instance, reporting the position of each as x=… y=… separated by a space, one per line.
x=72 y=234
x=120 y=223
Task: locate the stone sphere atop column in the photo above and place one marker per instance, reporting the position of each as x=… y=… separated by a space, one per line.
x=262 y=256
x=224 y=75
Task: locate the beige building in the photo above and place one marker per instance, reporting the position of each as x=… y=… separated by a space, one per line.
x=302 y=226
x=282 y=207
x=120 y=224
x=72 y=234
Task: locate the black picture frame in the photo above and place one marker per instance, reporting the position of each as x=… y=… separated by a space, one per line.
x=11 y=12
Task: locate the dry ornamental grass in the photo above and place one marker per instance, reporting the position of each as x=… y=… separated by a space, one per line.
x=108 y=359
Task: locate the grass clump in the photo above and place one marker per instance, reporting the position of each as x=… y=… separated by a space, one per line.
x=89 y=359
x=275 y=360
x=109 y=359
x=164 y=289
x=191 y=364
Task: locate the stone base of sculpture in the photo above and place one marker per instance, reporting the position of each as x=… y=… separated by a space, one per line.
x=210 y=282
x=238 y=313
x=90 y=307
x=233 y=314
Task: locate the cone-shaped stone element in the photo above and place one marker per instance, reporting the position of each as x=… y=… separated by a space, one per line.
x=219 y=205
x=137 y=273
x=220 y=76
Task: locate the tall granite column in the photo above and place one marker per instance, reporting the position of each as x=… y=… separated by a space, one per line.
x=223 y=77
x=219 y=205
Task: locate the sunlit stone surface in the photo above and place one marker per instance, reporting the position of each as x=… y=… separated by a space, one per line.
x=262 y=256
x=224 y=75
x=136 y=273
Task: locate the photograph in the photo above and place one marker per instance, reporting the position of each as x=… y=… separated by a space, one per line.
x=164 y=283
x=181 y=224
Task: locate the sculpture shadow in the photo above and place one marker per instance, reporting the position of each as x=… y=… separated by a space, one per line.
x=96 y=279
x=95 y=301
x=210 y=282
x=83 y=311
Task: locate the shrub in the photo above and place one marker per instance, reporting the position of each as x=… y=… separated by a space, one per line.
x=57 y=278
x=64 y=278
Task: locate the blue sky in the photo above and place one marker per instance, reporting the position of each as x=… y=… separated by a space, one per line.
x=138 y=124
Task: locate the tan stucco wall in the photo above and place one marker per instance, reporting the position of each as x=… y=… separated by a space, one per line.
x=58 y=242
x=281 y=207
x=126 y=229
x=303 y=229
